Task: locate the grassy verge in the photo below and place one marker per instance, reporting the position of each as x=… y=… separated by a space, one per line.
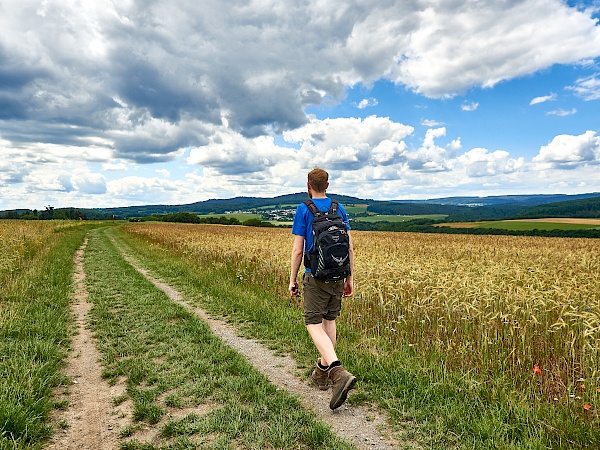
x=35 y=326
x=453 y=408
x=171 y=361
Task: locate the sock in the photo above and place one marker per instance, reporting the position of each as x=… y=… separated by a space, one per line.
x=321 y=366
x=334 y=364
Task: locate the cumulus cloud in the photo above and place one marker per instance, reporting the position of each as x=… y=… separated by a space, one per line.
x=543 y=99
x=350 y=143
x=569 y=152
x=229 y=153
x=499 y=40
x=135 y=188
x=430 y=157
x=365 y=103
x=90 y=183
x=479 y=162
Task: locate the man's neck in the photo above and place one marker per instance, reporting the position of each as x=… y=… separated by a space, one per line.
x=319 y=195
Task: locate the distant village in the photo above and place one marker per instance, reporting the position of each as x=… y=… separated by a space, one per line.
x=279 y=215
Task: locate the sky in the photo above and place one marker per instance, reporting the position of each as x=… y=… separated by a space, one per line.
x=118 y=103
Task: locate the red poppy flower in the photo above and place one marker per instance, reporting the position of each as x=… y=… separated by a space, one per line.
x=537 y=370
x=587 y=406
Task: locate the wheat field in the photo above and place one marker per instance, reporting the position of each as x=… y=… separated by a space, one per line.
x=516 y=306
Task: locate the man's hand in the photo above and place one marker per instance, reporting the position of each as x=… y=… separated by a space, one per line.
x=294 y=292
x=348 y=287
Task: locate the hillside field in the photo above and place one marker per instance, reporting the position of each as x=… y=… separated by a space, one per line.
x=559 y=223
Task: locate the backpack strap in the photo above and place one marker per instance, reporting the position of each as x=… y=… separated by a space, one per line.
x=316 y=212
x=334 y=206
x=313 y=208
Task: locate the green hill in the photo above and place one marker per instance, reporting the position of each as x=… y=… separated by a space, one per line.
x=587 y=207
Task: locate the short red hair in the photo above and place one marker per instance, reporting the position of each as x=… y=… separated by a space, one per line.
x=318 y=179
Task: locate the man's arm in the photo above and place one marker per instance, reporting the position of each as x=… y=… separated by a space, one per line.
x=297 y=253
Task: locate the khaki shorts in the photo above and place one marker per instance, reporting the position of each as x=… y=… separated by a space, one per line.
x=322 y=300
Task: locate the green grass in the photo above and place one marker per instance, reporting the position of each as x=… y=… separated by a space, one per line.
x=394 y=218
x=425 y=402
x=523 y=225
x=170 y=359
x=356 y=209
x=35 y=327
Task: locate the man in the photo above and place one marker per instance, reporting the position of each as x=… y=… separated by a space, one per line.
x=322 y=299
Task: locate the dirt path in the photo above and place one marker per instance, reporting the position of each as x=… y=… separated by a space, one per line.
x=365 y=428
x=92 y=421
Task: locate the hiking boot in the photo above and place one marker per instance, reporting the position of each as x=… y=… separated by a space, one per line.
x=343 y=381
x=320 y=377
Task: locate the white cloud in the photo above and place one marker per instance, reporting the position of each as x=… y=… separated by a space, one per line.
x=141 y=190
x=164 y=172
x=543 y=99
x=431 y=123
x=479 y=162
x=367 y=102
x=116 y=167
x=229 y=153
x=568 y=152
x=90 y=183
x=349 y=143
x=587 y=88
x=470 y=106
x=114 y=83
x=562 y=112
x=457 y=45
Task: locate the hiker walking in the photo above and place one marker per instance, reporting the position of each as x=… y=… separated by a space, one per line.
x=321 y=236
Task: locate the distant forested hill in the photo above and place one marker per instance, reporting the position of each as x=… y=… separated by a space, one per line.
x=587 y=207
x=413 y=209
x=221 y=206
x=458 y=209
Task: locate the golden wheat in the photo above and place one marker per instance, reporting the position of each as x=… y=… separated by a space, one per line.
x=499 y=303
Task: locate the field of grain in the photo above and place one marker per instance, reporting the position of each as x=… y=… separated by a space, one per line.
x=18 y=239
x=500 y=305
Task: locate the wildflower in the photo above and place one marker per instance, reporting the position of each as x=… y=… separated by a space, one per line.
x=537 y=370
x=582 y=387
x=587 y=406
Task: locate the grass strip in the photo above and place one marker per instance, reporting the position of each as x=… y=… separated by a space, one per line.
x=171 y=361
x=35 y=327
x=452 y=408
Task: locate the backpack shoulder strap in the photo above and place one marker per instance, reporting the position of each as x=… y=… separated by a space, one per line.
x=312 y=207
x=334 y=206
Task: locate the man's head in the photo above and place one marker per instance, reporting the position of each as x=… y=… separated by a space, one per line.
x=318 y=180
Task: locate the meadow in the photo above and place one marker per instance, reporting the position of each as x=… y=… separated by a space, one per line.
x=462 y=341
x=36 y=259
x=497 y=325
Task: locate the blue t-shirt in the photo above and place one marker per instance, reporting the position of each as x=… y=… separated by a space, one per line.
x=303 y=218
